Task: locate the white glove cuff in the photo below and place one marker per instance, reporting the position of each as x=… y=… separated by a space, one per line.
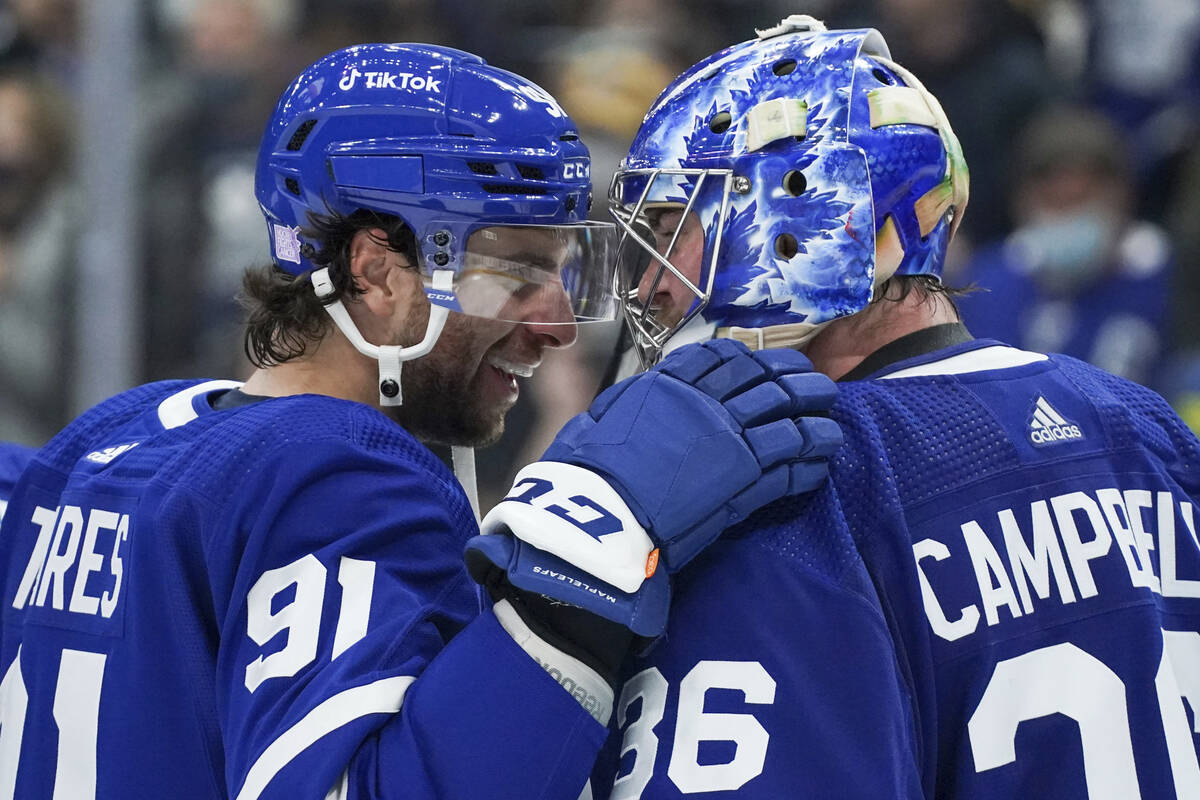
x=551 y=504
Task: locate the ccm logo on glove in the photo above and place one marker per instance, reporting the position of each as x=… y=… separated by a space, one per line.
x=575 y=514
x=587 y=515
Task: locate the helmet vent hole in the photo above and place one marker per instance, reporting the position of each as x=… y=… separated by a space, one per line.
x=510 y=188
x=530 y=173
x=297 y=140
x=720 y=122
x=482 y=167
x=794 y=183
x=712 y=73
x=292 y=185
x=785 y=67
x=786 y=245
x=570 y=203
x=569 y=137
x=882 y=76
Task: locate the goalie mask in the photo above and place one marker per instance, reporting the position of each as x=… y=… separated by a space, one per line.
x=808 y=167
x=484 y=166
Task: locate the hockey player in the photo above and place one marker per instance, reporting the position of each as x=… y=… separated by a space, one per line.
x=215 y=590
x=997 y=595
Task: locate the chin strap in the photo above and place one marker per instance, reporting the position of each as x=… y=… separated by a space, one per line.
x=390 y=357
x=463 y=460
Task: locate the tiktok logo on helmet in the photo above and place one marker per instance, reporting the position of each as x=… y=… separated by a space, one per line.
x=389 y=80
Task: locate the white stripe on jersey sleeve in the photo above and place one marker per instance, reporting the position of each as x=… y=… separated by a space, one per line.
x=985 y=358
x=384 y=696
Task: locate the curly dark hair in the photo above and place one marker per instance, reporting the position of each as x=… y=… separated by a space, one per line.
x=283 y=314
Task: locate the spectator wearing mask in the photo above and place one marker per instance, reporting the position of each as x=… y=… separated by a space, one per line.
x=1080 y=275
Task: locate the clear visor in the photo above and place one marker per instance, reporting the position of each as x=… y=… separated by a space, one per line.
x=548 y=274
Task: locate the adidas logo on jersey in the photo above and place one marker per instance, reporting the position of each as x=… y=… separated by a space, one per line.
x=109 y=453
x=1050 y=427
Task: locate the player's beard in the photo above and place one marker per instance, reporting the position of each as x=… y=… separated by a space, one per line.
x=444 y=398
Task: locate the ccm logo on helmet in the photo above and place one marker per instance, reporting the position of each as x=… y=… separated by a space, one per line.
x=390 y=80
x=576 y=170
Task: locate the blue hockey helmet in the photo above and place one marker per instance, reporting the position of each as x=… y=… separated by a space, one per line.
x=464 y=153
x=817 y=168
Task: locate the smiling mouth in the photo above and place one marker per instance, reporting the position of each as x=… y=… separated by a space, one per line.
x=515 y=369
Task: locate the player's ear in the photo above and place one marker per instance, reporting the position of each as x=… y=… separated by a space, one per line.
x=385 y=277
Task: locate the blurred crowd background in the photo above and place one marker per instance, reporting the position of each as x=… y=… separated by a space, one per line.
x=1078 y=118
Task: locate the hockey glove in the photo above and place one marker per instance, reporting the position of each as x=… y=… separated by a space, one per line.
x=661 y=463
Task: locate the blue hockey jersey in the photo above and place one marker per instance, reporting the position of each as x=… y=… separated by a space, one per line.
x=996 y=595
x=266 y=601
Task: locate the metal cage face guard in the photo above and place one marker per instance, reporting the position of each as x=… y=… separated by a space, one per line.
x=554 y=274
x=633 y=192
